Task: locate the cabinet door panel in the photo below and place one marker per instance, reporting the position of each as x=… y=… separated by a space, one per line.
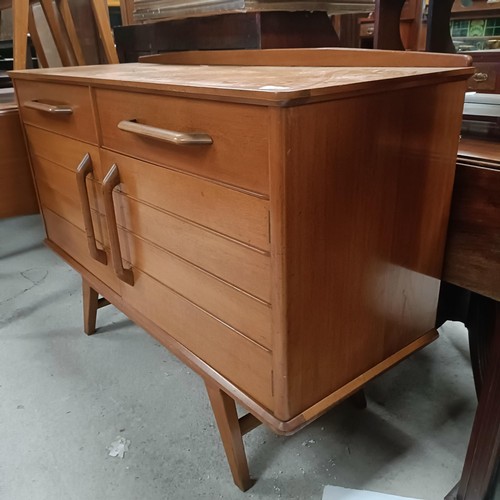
x=58 y=191
x=65 y=152
x=238 y=359
x=239 y=265
x=228 y=211
x=235 y=308
x=73 y=241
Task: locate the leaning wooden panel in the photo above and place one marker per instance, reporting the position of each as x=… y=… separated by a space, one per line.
x=17 y=193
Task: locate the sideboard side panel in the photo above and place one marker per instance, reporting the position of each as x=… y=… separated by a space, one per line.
x=367 y=203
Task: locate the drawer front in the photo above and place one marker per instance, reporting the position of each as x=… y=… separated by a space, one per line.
x=240 y=133
x=78 y=124
x=241 y=266
x=63 y=151
x=484 y=77
x=238 y=310
x=74 y=242
x=228 y=211
x=238 y=359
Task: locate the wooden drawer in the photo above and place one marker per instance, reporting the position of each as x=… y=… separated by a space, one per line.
x=79 y=124
x=63 y=151
x=228 y=211
x=472 y=257
x=238 y=310
x=484 y=77
x=73 y=241
x=246 y=268
x=240 y=360
x=240 y=133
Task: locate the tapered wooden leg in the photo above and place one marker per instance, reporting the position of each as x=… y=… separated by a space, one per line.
x=226 y=417
x=90 y=306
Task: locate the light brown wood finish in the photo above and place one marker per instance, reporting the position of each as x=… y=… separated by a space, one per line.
x=206 y=249
x=228 y=211
x=82 y=171
x=261 y=85
x=90 y=306
x=20 y=16
x=345 y=285
x=238 y=155
x=73 y=241
x=112 y=180
x=69 y=24
x=78 y=125
x=398 y=264
x=234 y=356
x=101 y=15
x=227 y=421
x=62 y=151
x=232 y=306
x=17 y=194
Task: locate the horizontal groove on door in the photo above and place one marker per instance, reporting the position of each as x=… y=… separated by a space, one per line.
x=238 y=359
x=242 y=312
x=235 y=263
x=63 y=151
x=227 y=211
x=73 y=241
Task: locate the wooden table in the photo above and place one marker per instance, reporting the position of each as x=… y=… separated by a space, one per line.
x=471 y=294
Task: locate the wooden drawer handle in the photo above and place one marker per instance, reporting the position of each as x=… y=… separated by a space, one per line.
x=170 y=136
x=480 y=77
x=112 y=180
x=84 y=169
x=54 y=109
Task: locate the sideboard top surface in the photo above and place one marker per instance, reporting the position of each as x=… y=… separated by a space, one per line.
x=267 y=85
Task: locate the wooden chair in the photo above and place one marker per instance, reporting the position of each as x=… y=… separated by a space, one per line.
x=58 y=17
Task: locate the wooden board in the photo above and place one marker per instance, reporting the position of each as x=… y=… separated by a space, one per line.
x=264 y=85
x=17 y=193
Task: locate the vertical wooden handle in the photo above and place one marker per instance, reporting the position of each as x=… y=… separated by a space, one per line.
x=112 y=180
x=84 y=169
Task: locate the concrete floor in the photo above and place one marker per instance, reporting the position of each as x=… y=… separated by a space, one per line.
x=65 y=397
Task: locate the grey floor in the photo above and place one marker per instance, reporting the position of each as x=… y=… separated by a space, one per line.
x=65 y=397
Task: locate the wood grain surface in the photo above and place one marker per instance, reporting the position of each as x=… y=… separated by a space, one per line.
x=17 y=193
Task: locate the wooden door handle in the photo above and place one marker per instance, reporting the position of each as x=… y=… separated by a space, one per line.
x=84 y=169
x=170 y=136
x=53 y=109
x=112 y=180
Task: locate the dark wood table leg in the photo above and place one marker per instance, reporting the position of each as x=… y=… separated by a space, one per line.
x=387 y=34
x=482 y=461
x=438 y=27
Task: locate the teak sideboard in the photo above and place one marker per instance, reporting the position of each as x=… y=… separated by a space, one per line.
x=276 y=219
